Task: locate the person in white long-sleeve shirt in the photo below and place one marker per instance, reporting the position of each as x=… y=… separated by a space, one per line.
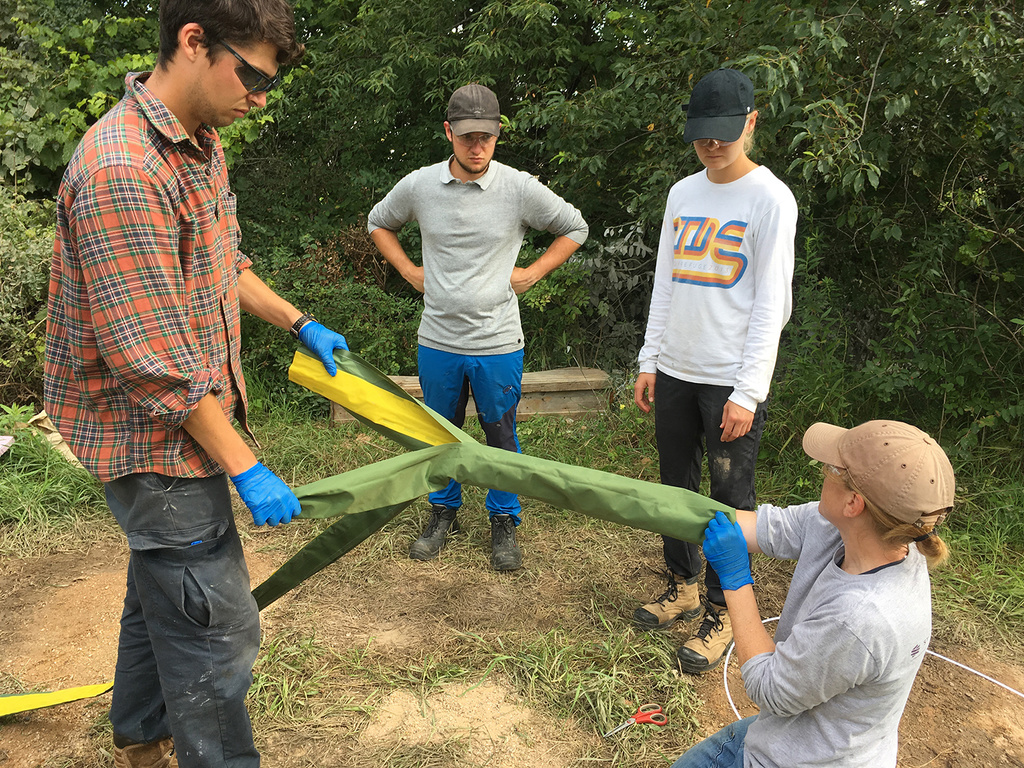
x=833 y=682
x=722 y=294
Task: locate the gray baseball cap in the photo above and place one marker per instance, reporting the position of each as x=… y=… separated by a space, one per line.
x=474 y=108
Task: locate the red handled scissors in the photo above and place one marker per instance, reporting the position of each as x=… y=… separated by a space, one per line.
x=648 y=713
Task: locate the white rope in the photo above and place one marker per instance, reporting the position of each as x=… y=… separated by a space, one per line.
x=725 y=672
x=979 y=674
x=732 y=705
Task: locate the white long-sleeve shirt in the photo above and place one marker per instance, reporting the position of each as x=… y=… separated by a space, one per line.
x=723 y=283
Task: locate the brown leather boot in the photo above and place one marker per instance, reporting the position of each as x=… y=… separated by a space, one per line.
x=679 y=601
x=709 y=643
x=156 y=754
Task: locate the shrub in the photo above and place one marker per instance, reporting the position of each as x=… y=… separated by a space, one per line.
x=26 y=242
x=341 y=281
x=555 y=314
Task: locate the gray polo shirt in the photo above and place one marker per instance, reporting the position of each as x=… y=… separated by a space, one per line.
x=472 y=233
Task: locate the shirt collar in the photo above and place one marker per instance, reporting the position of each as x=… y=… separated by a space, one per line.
x=483 y=182
x=160 y=116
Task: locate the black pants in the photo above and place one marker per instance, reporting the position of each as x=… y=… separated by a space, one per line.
x=686 y=421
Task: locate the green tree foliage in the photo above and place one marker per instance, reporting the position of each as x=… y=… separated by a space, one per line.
x=61 y=68
x=896 y=124
x=26 y=240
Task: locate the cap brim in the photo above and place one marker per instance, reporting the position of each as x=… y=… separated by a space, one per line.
x=821 y=442
x=725 y=128
x=462 y=127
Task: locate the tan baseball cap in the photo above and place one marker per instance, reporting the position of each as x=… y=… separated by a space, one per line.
x=897 y=467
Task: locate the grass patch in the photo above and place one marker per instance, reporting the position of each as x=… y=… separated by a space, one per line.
x=46 y=503
x=293 y=681
x=591 y=678
x=449 y=752
x=556 y=637
x=981 y=589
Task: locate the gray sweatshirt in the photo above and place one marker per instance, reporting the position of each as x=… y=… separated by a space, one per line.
x=847 y=650
x=472 y=233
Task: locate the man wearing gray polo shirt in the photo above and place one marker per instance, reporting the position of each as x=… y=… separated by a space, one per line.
x=473 y=214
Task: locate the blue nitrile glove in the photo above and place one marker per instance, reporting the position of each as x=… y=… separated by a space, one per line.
x=266 y=495
x=323 y=341
x=725 y=547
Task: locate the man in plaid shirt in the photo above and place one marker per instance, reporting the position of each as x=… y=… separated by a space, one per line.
x=143 y=379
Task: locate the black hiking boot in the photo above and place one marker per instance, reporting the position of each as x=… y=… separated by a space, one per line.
x=505 y=552
x=442 y=523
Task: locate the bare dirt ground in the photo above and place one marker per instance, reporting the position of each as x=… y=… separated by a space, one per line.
x=58 y=628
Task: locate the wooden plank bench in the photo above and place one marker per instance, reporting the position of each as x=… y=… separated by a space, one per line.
x=558 y=392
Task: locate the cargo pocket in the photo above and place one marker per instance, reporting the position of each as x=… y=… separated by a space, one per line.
x=207 y=581
x=195 y=604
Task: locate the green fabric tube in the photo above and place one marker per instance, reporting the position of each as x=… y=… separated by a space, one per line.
x=657 y=508
x=340 y=538
x=370 y=496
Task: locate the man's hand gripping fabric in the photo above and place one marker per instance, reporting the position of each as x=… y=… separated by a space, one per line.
x=266 y=495
x=322 y=342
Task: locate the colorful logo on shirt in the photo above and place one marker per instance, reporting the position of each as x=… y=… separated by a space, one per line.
x=708 y=253
x=915 y=652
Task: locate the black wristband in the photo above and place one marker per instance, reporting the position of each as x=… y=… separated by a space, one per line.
x=306 y=317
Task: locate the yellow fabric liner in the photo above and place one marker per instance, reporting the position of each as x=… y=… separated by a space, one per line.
x=388 y=409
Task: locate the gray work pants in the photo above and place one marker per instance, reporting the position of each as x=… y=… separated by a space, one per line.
x=190 y=626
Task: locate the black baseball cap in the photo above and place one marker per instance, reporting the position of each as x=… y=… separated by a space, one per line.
x=474 y=108
x=719 y=106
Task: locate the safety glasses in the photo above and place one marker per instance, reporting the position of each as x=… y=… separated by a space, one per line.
x=483 y=139
x=707 y=143
x=253 y=80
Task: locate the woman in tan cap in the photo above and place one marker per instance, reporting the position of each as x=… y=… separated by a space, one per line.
x=833 y=682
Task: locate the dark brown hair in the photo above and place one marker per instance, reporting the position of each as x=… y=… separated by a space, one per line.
x=241 y=22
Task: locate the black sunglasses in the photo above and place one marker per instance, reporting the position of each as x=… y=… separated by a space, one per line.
x=253 y=80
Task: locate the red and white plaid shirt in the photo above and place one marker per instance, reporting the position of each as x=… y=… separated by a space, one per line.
x=144 y=307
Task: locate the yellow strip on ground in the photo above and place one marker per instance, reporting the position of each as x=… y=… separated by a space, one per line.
x=23 y=702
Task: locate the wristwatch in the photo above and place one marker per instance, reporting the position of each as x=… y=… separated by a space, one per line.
x=306 y=317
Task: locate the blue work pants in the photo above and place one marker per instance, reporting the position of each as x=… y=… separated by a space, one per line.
x=496 y=382
x=190 y=626
x=687 y=419
x=723 y=750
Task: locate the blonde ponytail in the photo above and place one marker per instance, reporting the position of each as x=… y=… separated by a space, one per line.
x=896 y=532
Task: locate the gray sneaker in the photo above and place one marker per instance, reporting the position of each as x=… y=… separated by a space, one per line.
x=441 y=525
x=505 y=552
